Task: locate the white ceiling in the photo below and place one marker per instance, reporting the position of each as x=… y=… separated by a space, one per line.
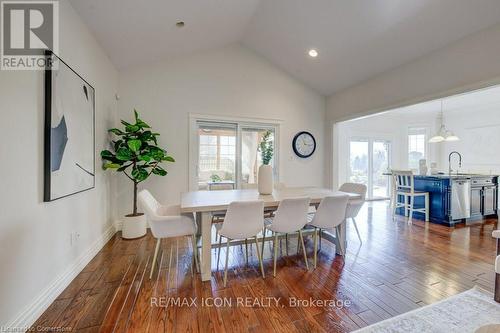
x=134 y=32
x=356 y=39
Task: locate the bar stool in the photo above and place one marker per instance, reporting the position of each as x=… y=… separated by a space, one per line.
x=405 y=187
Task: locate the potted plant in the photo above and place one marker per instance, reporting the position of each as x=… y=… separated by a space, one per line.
x=265 y=177
x=137 y=155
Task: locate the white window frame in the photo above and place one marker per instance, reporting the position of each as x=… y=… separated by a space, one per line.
x=240 y=122
x=413 y=130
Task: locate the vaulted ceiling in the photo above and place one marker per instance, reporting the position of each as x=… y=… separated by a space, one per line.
x=356 y=39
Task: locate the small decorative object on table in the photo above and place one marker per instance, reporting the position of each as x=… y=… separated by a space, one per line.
x=265 y=178
x=434 y=170
x=423 y=167
x=136 y=149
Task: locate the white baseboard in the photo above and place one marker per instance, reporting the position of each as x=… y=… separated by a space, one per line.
x=118 y=225
x=33 y=311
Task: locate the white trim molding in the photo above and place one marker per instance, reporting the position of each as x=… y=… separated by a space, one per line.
x=33 y=311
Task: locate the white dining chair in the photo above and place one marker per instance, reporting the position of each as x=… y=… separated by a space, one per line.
x=330 y=214
x=167 y=222
x=354 y=206
x=290 y=217
x=244 y=219
x=405 y=187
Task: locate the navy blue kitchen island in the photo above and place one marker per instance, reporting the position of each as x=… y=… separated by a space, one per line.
x=456 y=198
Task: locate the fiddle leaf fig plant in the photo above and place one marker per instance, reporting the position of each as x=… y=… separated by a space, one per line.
x=266 y=148
x=136 y=154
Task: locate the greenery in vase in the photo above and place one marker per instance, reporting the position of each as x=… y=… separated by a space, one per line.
x=266 y=148
x=136 y=154
x=215 y=178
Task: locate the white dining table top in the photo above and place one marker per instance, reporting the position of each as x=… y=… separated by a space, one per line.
x=210 y=201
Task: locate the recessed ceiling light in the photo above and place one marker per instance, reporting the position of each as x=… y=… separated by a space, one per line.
x=180 y=24
x=313 y=53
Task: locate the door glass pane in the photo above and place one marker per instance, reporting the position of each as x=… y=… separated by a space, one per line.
x=359 y=163
x=380 y=183
x=416 y=147
x=217 y=156
x=251 y=154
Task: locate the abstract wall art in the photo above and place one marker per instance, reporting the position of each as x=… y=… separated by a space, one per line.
x=69 y=137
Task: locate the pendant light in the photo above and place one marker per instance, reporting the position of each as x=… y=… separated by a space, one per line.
x=443 y=134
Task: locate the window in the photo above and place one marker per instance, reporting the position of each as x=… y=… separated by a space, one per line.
x=417 y=144
x=228 y=154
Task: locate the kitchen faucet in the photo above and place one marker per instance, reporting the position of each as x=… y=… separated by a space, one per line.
x=459 y=161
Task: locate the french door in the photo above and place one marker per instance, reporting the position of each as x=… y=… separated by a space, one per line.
x=227 y=154
x=369 y=159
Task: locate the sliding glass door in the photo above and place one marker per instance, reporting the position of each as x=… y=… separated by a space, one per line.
x=216 y=154
x=380 y=165
x=228 y=154
x=369 y=159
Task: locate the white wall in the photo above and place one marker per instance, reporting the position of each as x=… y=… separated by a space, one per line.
x=35 y=236
x=230 y=81
x=475 y=119
x=467 y=64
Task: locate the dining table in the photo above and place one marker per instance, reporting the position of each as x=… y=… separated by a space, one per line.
x=204 y=203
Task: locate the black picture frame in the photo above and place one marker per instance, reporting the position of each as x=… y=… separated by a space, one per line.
x=51 y=60
x=294 y=144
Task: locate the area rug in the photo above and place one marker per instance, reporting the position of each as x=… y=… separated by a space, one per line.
x=465 y=312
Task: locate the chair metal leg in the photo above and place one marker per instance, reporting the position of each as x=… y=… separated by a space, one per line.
x=427 y=207
x=286 y=243
x=263 y=241
x=225 y=267
x=315 y=247
x=157 y=249
x=218 y=251
x=275 y=252
x=357 y=231
x=246 y=251
x=298 y=244
x=260 y=257
x=411 y=200
x=195 y=253
x=339 y=240
x=395 y=205
x=320 y=233
x=303 y=248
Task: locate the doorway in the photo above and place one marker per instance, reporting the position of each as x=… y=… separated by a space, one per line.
x=369 y=159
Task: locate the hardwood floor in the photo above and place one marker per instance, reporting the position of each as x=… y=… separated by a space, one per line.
x=398 y=268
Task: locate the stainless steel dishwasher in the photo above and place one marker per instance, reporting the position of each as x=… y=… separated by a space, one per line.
x=460 y=198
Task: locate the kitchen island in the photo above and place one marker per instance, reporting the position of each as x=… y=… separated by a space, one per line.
x=456 y=198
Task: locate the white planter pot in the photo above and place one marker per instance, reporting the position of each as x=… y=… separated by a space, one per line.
x=265 y=179
x=134 y=226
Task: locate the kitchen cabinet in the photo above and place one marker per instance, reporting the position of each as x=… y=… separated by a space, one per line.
x=489 y=200
x=483 y=197
x=476 y=199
